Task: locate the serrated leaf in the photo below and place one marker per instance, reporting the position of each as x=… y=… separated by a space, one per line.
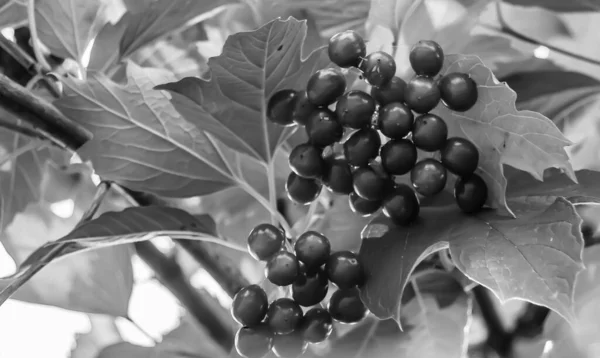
x=13 y=13
x=253 y=66
x=524 y=186
x=503 y=135
x=560 y=5
x=140 y=140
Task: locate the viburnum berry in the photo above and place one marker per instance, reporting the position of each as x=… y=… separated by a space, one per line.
x=291 y=345
x=303 y=108
x=379 y=68
x=310 y=288
x=254 y=342
x=458 y=91
x=280 y=107
x=313 y=249
x=345 y=306
x=306 y=160
x=325 y=86
x=283 y=268
x=355 y=109
x=471 y=193
x=426 y=58
x=428 y=177
x=369 y=184
x=344 y=269
x=393 y=91
x=346 y=48
x=401 y=205
x=317 y=325
x=363 y=207
x=264 y=241
x=249 y=305
x=302 y=190
x=284 y=316
x=398 y=156
x=338 y=176
x=395 y=120
x=429 y=132
x=422 y=94
x=362 y=147
x=323 y=128
x=460 y=156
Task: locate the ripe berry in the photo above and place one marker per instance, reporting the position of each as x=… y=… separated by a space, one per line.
x=313 y=249
x=284 y=316
x=345 y=306
x=253 y=342
x=310 y=289
x=430 y=132
x=338 y=176
x=347 y=48
x=459 y=91
x=401 y=205
x=426 y=58
x=460 y=156
x=395 y=120
x=317 y=325
x=325 y=86
x=428 y=177
x=368 y=184
x=264 y=241
x=398 y=156
x=422 y=94
x=363 y=207
x=290 y=345
x=470 y=193
x=362 y=147
x=323 y=128
x=249 y=306
x=283 y=268
x=378 y=68
x=301 y=190
x=306 y=160
x=393 y=91
x=302 y=108
x=281 y=106
x=355 y=109
x=344 y=269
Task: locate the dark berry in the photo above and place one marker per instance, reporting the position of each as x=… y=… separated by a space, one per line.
x=459 y=91
x=249 y=306
x=301 y=190
x=311 y=288
x=362 y=147
x=290 y=345
x=317 y=325
x=264 y=241
x=379 y=68
x=369 y=184
x=338 y=176
x=363 y=207
x=422 y=94
x=284 y=316
x=393 y=91
x=282 y=269
x=347 y=48
x=460 y=156
x=395 y=120
x=323 y=128
x=302 y=108
x=313 y=249
x=471 y=193
x=344 y=269
x=429 y=132
x=281 y=107
x=325 y=86
x=428 y=177
x=355 y=109
x=306 y=160
x=398 y=156
x=426 y=58
x=401 y=205
x=345 y=306
x=254 y=342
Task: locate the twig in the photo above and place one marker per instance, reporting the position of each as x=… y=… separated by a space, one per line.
x=35 y=41
x=24 y=130
x=498 y=339
x=101 y=192
x=141 y=330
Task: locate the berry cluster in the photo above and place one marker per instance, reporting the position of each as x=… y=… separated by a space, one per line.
x=283 y=326
x=399 y=111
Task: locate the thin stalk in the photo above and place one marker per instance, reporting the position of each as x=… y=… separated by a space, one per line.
x=35 y=41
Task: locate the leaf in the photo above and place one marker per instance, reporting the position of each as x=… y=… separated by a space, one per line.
x=13 y=13
x=253 y=66
x=540 y=24
x=140 y=140
x=103 y=332
x=503 y=135
x=341 y=226
x=560 y=5
x=330 y=20
x=389 y=13
x=493 y=50
x=525 y=187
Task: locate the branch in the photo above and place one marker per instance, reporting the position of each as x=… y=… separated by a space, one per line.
x=498 y=339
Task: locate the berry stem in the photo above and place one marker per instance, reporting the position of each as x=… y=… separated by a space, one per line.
x=35 y=41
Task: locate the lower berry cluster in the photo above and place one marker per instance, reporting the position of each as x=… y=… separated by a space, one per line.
x=287 y=325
